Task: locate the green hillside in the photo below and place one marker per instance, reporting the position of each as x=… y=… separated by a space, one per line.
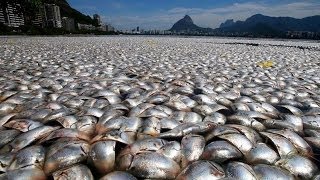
x=67 y=11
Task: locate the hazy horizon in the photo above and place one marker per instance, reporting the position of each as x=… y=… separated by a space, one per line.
x=125 y=14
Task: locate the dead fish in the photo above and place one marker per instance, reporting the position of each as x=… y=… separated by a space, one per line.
x=119 y=175
x=110 y=114
x=5 y=161
x=246 y=121
x=61 y=155
x=32 y=156
x=24 y=174
x=22 y=125
x=289 y=109
x=102 y=154
x=239 y=141
x=122 y=123
x=187 y=128
x=220 y=151
x=150 y=126
x=203 y=99
x=251 y=134
x=4 y=119
x=24 y=139
x=295 y=121
x=299 y=166
x=277 y=124
x=166 y=123
x=137 y=110
x=216 y=118
x=73 y=173
x=311 y=122
x=7 y=136
x=116 y=135
x=266 y=172
x=6 y=108
x=65 y=133
x=239 y=107
x=158 y=99
x=152 y=112
x=141 y=146
x=313 y=141
x=309 y=132
x=186 y=117
x=86 y=124
x=192 y=147
x=262 y=154
x=219 y=130
x=239 y=170
x=171 y=150
x=284 y=146
x=68 y=121
x=202 y=170
x=300 y=144
x=153 y=165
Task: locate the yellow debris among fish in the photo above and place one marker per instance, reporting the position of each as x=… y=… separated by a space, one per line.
x=266 y=64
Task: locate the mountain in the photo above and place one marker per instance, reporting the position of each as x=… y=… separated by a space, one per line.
x=261 y=24
x=67 y=11
x=186 y=25
x=228 y=23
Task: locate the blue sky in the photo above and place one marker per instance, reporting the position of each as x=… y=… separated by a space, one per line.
x=162 y=14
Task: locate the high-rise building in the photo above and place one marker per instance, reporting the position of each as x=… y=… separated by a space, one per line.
x=138 y=29
x=10 y=15
x=52 y=15
x=86 y=27
x=97 y=18
x=103 y=28
x=2 y=18
x=68 y=23
x=39 y=17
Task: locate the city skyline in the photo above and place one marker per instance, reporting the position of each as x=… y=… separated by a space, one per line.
x=125 y=15
x=47 y=18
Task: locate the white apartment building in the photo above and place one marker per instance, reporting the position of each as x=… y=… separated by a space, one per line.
x=52 y=15
x=10 y=16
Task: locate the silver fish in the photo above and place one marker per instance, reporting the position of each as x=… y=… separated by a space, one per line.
x=74 y=173
x=119 y=175
x=202 y=170
x=61 y=155
x=24 y=139
x=22 y=125
x=239 y=170
x=311 y=122
x=102 y=155
x=299 y=143
x=220 y=151
x=32 y=156
x=284 y=146
x=24 y=174
x=188 y=128
x=153 y=165
x=192 y=147
x=299 y=166
x=7 y=136
x=239 y=141
x=266 y=172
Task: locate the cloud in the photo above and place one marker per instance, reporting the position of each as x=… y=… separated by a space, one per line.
x=117 y=5
x=215 y=16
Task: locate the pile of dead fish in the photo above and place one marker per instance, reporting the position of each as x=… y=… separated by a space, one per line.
x=63 y=117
